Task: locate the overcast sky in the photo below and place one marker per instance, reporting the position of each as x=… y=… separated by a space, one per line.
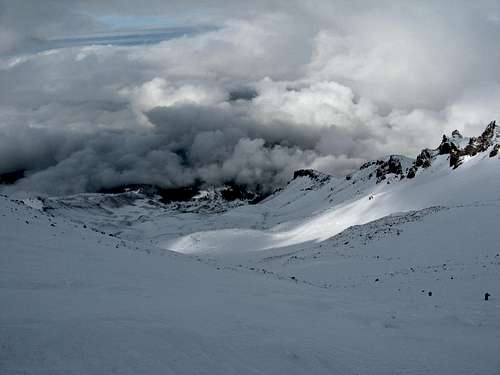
x=95 y=94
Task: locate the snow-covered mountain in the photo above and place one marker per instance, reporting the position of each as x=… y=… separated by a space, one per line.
x=382 y=271
x=314 y=207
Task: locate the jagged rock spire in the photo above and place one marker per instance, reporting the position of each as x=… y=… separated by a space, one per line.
x=456 y=148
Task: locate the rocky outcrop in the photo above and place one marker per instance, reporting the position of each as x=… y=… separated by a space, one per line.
x=448 y=145
x=369 y=164
x=484 y=141
x=167 y=195
x=387 y=169
x=454 y=147
x=229 y=192
x=423 y=160
x=312 y=174
x=390 y=166
x=458 y=147
x=477 y=145
x=494 y=151
x=315 y=179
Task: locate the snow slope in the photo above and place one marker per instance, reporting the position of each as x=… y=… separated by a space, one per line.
x=76 y=301
x=370 y=274
x=316 y=215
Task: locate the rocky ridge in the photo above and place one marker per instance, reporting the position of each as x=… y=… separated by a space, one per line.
x=458 y=147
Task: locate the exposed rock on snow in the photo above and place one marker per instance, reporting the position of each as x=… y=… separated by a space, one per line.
x=390 y=166
x=314 y=175
x=458 y=147
x=318 y=179
x=494 y=151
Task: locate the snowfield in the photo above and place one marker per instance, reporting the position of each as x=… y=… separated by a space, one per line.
x=369 y=274
x=328 y=212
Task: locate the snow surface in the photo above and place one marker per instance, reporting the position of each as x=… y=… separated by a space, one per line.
x=298 y=215
x=322 y=277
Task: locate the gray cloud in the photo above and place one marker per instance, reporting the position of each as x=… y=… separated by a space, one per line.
x=285 y=85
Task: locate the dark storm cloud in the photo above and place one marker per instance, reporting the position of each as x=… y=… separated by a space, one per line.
x=268 y=87
x=187 y=144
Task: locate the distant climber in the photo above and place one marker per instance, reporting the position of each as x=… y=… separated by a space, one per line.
x=486 y=296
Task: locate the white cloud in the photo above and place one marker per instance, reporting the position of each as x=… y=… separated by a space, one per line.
x=324 y=86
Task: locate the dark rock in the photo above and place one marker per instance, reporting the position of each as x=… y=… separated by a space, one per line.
x=494 y=151
x=318 y=178
x=412 y=171
x=167 y=195
x=455 y=159
x=489 y=132
x=391 y=166
x=446 y=146
x=367 y=164
x=234 y=192
x=424 y=158
x=178 y=194
x=311 y=173
x=450 y=146
x=229 y=192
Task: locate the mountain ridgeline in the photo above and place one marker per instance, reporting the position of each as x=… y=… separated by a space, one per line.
x=456 y=148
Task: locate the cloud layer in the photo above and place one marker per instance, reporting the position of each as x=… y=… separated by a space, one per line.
x=282 y=87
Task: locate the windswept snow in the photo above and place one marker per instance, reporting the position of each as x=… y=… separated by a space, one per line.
x=76 y=301
x=362 y=275
x=330 y=209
